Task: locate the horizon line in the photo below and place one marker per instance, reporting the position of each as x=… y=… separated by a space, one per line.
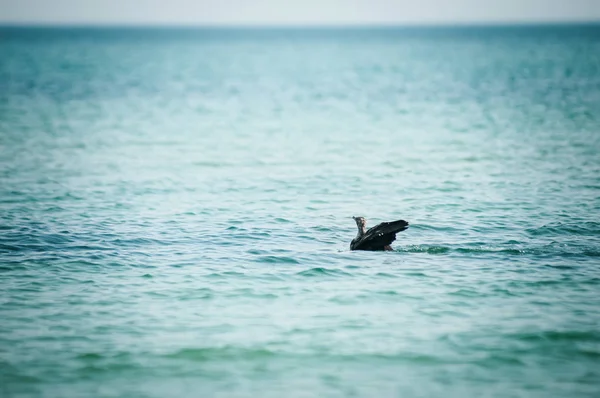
x=300 y=25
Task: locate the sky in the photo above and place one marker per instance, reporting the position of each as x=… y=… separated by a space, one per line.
x=294 y=12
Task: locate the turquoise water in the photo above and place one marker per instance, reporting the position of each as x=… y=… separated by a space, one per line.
x=175 y=212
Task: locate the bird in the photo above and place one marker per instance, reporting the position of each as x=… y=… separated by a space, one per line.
x=378 y=238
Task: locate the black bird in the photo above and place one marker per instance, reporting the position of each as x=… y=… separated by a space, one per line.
x=378 y=238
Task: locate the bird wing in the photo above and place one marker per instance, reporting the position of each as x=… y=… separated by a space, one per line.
x=379 y=236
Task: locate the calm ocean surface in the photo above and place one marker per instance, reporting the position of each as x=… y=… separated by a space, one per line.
x=175 y=212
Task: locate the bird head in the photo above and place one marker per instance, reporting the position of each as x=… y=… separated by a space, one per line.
x=360 y=222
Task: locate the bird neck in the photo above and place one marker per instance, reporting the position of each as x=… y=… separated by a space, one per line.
x=361 y=230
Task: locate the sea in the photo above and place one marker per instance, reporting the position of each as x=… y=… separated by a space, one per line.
x=176 y=203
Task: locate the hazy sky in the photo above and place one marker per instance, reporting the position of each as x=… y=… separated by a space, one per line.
x=295 y=11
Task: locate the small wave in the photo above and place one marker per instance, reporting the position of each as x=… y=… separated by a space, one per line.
x=592 y=253
x=480 y=248
x=223 y=353
x=225 y=274
x=12 y=266
x=407 y=357
x=385 y=275
x=9 y=248
x=12 y=374
x=590 y=228
x=489 y=250
x=560 y=336
x=424 y=249
x=209 y=164
x=228 y=353
x=90 y=356
x=136 y=242
x=307 y=237
x=388 y=293
x=322 y=229
x=254 y=236
x=446 y=249
x=108 y=368
x=320 y=271
x=278 y=260
x=563 y=267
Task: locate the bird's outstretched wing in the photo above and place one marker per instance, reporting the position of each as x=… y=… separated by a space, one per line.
x=379 y=236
